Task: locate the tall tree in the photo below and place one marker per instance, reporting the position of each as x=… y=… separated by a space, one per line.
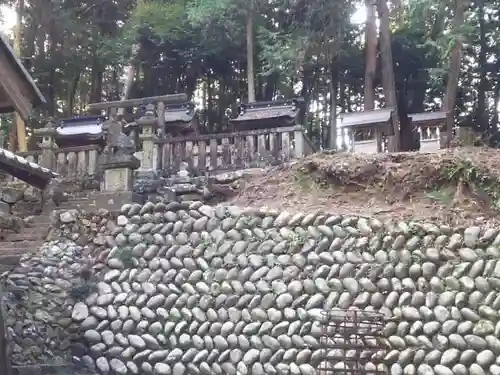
x=250 y=52
x=370 y=54
x=388 y=71
x=454 y=73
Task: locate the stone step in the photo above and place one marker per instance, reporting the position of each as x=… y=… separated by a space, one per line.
x=36 y=232
x=80 y=203
x=37 y=235
x=11 y=253
x=14 y=248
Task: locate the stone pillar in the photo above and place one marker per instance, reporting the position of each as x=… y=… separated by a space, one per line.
x=299 y=143
x=148 y=123
x=47 y=144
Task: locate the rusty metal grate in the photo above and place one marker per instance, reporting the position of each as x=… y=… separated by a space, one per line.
x=352 y=343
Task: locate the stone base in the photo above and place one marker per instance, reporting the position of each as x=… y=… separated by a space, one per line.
x=146 y=174
x=113 y=201
x=49 y=370
x=118 y=179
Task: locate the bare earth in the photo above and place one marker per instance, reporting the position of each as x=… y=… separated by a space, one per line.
x=458 y=186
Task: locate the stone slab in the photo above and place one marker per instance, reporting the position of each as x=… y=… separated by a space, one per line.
x=118 y=179
x=111 y=201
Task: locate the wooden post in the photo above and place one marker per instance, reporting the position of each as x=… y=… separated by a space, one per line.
x=20 y=125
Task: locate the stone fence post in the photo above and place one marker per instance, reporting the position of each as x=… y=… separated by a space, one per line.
x=47 y=144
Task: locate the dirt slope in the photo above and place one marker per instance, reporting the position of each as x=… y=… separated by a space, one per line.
x=457 y=186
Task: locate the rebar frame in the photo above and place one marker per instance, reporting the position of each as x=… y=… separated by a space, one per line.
x=352 y=343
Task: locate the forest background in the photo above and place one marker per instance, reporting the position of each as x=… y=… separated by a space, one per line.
x=339 y=55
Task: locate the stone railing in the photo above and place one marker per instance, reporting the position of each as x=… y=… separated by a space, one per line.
x=72 y=163
x=228 y=151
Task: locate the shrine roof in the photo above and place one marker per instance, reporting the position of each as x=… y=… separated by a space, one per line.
x=365 y=118
x=269 y=110
x=183 y=112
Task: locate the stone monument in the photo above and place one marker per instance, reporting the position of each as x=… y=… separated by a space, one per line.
x=118 y=164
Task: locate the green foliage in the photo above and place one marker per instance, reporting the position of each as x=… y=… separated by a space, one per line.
x=480 y=182
x=78 y=49
x=203 y=12
x=444 y=196
x=167 y=20
x=278 y=52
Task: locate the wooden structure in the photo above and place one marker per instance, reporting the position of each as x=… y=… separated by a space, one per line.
x=265 y=115
x=231 y=151
x=80 y=131
x=29 y=172
x=73 y=147
x=366 y=130
x=134 y=105
x=431 y=127
x=180 y=120
x=18 y=91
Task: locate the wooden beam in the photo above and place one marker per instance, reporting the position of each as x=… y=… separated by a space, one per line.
x=166 y=99
x=13 y=87
x=20 y=125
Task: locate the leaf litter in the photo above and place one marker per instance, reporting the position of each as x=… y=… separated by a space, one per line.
x=457 y=186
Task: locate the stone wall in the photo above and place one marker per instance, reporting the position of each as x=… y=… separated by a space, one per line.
x=41 y=291
x=185 y=288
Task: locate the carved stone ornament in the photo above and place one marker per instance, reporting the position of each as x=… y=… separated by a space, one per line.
x=117 y=143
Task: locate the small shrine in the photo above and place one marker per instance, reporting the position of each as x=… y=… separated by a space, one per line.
x=180 y=119
x=431 y=127
x=80 y=131
x=366 y=130
x=265 y=115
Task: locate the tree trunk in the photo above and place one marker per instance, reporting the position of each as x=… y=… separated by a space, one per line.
x=18 y=130
x=270 y=86
x=96 y=83
x=210 y=122
x=456 y=58
x=370 y=55
x=334 y=84
x=482 y=118
x=72 y=93
x=52 y=83
x=496 y=101
x=130 y=71
x=250 y=55
x=388 y=72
